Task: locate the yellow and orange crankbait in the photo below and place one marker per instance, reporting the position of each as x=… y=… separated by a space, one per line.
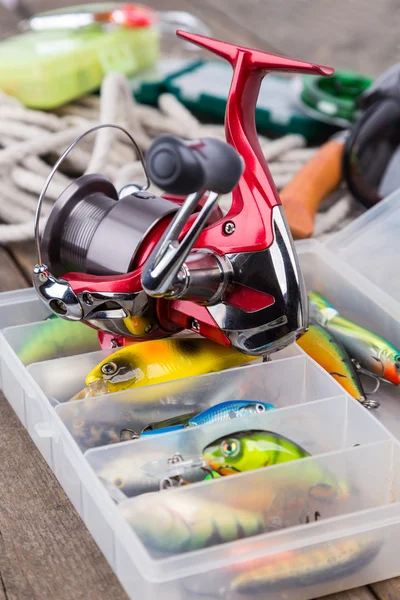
x=332 y=356
x=159 y=361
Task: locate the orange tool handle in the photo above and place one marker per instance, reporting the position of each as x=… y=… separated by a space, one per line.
x=304 y=194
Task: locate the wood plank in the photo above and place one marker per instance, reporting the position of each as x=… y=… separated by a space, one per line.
x=233 y=27
x=2 y=588
x=45 y=550
x=11 y=277
x=24 y=253
x=8 y=22
x=340 y=33
x=387 y=590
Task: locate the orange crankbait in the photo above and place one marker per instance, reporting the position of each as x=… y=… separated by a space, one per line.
x=331 y=355
x=370 y=351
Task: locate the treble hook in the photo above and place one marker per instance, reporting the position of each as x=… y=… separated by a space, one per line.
x=368 y=402
x=128 y=434
x=172 y=482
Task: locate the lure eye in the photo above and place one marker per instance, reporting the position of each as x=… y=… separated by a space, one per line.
x=260 y=408
x=230 y=447
x=109 y=368
x=119 y=482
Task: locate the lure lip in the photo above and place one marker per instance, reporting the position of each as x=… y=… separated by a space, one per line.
x=96 y=387
x=221 y=469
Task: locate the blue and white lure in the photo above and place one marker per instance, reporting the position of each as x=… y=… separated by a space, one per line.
x=225 y=411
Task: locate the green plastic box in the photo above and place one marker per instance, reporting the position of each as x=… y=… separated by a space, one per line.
x=203 y=86
x=47 y=69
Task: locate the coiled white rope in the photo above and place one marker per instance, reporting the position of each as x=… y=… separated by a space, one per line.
x=30 y=140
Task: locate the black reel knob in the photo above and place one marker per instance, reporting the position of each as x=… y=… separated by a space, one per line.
x=182 y=167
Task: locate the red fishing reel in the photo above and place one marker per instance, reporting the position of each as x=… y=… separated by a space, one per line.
x=137 y=267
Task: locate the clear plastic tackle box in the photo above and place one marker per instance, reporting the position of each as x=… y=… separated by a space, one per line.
x=315 y=548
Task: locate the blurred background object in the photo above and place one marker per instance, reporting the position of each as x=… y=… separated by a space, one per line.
x=341 y=35
x=350 y=35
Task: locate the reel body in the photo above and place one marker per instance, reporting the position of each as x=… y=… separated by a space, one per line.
x=138 y=267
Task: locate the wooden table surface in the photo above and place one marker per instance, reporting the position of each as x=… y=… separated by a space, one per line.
x=45 y=550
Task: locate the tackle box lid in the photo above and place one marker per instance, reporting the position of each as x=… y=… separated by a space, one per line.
x=369 y=243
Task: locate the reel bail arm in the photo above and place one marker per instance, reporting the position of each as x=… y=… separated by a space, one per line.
x=57 y=292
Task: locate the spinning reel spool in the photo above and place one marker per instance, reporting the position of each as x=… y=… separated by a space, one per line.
x=96 y=230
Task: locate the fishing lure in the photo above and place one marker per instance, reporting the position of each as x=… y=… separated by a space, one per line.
x=180 y=420
x=248 y=450
x=224 y=411
x=305 y=567
x=122 y=471
x=104 y=420
x=212 y=475
x=244 y=451
x=159 y=361
x=166 y=522
x=322 y=346
x=232 y=409
x=178 y=522
x=56 y=338
x=372 y=353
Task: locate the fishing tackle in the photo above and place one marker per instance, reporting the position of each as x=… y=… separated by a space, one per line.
x=306 y=567
x=232 y=409
x=235 y=453
x=122 y=469
x=178 y=521
x=159 y=361
x=166 y=426
x=180 y=420
x=106 y=419
x=322 y=346
x=371 y=354
x=110 y=259
x=189 y=522
x=56 y=338
x=248 y=450
x=284 y=572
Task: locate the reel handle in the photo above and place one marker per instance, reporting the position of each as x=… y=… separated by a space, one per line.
x=183 y=167
x=187 y=167
x=160 y=271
